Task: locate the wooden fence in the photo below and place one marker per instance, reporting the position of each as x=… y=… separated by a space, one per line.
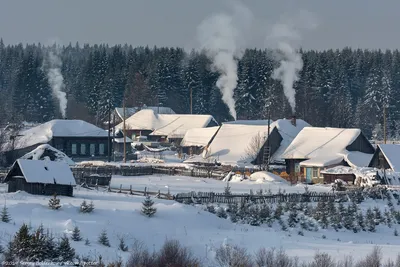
x=210 y=197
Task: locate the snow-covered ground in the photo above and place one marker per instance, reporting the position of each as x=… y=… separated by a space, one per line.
x=183 y=184
x=119 y=215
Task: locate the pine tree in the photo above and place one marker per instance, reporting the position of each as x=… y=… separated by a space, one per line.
x=370 y=220
x=221 y=213
x=21 y=244
x=265 y=213
x=87 y=242
x=292 y=219
x=122 y=245
x=349 y=218
x=64 y=250
x=378 y=216
x=227 y=190
x=396 y=233
x=254 y=215
x=86 y=208
x=103 y=239
x=147 y=207
x=233 y=209
x=211 y=209
x=361 y=221
x=76 y=234
x=278 y=211
x=54 y=203
x=5 y=216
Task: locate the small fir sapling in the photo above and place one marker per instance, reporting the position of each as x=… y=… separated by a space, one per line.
x=76 y=234
x=5 y=215
x=147 y=207
x=54 y=202
x=103 y=239
x=122 y=246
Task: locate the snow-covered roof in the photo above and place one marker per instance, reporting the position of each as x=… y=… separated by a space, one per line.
x=45 y=172
x=130 y=111
x=248 y=122
x=198 y=136
x=47 y=152
x=171 y=125
x=392 y=155
x=120 y=140
x=325 y=146
x=43 y=133
x=288 y=132
x=231 y=143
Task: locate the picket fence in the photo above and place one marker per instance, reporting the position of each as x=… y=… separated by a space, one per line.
x=210 y=197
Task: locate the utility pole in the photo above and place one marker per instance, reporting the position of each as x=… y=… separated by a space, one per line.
x=109 y=131
x=124 y=131
x=191 y=101
x=269 y=130
x=384 y=123
x=113 y=150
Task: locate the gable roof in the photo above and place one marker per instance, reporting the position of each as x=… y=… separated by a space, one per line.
x=392 y=154
x=43 y=171
x=47 y=152
x=130 y=111
x=288 y=133
x=325 y=146
x=43 y=133
x=198 y=136
x=171 y=125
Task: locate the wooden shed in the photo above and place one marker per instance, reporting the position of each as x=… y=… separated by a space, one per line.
x=40 y=177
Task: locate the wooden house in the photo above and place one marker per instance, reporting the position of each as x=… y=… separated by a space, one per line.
x=315 y=149
x=76 y=138
x=245 y=142
x=40 y=177
x=168 y=128
x=196 y=139
x=386 y=156
x=129 y=111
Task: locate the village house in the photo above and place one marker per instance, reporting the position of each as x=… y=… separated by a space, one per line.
x=129 y=111
x=315 y=149
x=386 y=156
x=40 y=177
x=166 y=128
x=244 y=143
x=196 y=139
x=76 y=138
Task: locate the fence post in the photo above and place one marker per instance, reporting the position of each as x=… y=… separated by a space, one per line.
x=130 y=190
x=120 y=188
x=145 y=191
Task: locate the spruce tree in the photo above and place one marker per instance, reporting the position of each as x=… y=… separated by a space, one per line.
x=265 y=213
x=103 y=239
x=91 y=207
x=370 y=220
x=5 y=215
x=84 y=207
x=87 y=242
x=278 y=211
x=361 y=221
x=122 y=245
x=221 y=213
x=227 y=190
x=396 y=233
x=64 y=250
x=76 y=234
x=292 y=219
x=54 y=202
x=147 y=207
x=232 y=212
x=22 y=243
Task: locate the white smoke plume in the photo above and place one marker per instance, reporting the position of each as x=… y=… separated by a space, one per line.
x=221 y=36
x=286 y=37
x=53 y=66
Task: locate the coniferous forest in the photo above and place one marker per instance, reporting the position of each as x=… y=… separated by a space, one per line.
x=337 y=88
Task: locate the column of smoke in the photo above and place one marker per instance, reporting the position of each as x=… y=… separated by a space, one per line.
x=287 y=38
x=221 y=36
x=56 y=80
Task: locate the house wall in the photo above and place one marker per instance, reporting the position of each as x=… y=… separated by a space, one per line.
x=15 y=184
x=65 y=144
x=275 y=140
x=361 y=144
x=379 y=160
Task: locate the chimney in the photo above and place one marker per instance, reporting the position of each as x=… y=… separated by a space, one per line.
x=293 y=120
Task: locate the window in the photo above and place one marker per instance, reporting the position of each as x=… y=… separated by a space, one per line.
x=92 y=149
x=73 y=149
x=60 y=147
x=315 y=172
x=101 y=149
x=83 y=149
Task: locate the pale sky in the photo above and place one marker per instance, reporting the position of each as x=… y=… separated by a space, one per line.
x=355 y=23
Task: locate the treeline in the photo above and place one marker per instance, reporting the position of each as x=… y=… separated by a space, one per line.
x=337 y=88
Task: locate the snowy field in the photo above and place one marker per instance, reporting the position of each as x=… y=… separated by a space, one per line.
x=183 y=184
x=202 y=231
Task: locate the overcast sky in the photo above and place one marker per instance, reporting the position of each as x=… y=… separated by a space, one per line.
x=354 y=23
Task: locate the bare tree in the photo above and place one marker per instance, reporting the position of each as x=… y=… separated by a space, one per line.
x=254 y=148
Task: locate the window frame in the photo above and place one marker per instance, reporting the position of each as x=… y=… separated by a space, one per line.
x=82 y=148
x=102 y=149
x=94 y=149
x=74 y=151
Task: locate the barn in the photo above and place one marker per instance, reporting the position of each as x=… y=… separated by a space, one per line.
x=40 y=177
